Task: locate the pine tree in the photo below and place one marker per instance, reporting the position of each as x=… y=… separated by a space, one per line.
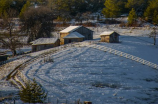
x=33 y=93
x=155 y=17
x=24 y=8
x=132 y=17
x=4 y=6
x=136 y=4
x=153 y=35
x=112 y=8
x=149 y=12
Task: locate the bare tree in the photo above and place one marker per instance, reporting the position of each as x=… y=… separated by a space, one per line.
x=9 y=38
x=153 y=35
x=38 y=23
x=86 y=16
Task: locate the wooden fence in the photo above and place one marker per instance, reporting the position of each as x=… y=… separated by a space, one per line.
x=123 y=54
x=19 y=79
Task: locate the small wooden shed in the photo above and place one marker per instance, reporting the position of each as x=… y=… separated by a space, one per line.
x=109 y=37
x=73 y=37
x=3 y=56
x=44 y=43
x=87 y=33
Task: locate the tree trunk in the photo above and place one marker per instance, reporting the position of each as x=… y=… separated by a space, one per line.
x=155 y=40
x=13 y=52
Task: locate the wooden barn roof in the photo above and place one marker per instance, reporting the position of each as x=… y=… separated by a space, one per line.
x=41 y=41
x=74 y=35
x=107 y=33
x=70 y=29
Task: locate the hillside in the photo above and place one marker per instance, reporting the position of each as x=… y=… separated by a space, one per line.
x=90 y=74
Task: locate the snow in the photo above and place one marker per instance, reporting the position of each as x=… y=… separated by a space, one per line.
x=44 y=41
x=70 y=29
x=141 y=47
x=90 y=74
x=107 y=33
x=74 y=35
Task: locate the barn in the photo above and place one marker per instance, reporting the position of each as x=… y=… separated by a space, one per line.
x=109 y=37
x=44 y=43
x=79 y=32
x=73 y=37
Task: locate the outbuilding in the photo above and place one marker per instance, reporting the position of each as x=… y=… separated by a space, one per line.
x=71 y=31
x=109 y=37
x=73 y=37
x=44 y=43
x=3 y=56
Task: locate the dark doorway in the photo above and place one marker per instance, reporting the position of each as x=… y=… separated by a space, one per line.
x=69 y=40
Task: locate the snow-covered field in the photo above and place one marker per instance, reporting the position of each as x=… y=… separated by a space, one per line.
x=90 y=74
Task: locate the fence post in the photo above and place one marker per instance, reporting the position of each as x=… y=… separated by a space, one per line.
x=57 y=101
x=155 y=66
x=149 y=63
x=137 y=59
x=105 y=49
x=143 y=62
x=126 y=55
x=115 y=52
x=110 y=50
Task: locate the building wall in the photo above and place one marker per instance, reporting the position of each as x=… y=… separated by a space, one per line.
x=3 y=57
x=66 y=41
x=113 y=38
x=82 y=30
x=36 y=48
x=85 y=32
x=57 y=43
x=62 y=35
x=105 y=39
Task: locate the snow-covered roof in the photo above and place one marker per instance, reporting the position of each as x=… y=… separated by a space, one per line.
x=44 y=41
x=70 y=29
x=74 y=35
x=107 y=33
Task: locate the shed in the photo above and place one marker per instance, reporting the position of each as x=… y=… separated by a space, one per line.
x=73 y=37
x=87 y=33
x=44 y=43
x=109 y=37
x=3 y=56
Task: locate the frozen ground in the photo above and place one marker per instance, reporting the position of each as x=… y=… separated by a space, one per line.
x=97 y=76
x=90 y=74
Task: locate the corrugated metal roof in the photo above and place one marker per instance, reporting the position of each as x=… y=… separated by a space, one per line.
x=107 y=33
x=70 y=29
x=44 y=41
x=74 y=35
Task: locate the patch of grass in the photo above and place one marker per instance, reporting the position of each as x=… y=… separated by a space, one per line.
x=148 y=80
x=103 y=85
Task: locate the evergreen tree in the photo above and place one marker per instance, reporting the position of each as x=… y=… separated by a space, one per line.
x=24 y=8
x=33 y=93
x=139 y=5
x=112 y=8
x=149 y=12
x=132 y=17
x=4 y=6
x=155 y=17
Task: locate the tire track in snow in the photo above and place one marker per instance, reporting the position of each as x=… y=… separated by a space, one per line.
x=56 y=83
